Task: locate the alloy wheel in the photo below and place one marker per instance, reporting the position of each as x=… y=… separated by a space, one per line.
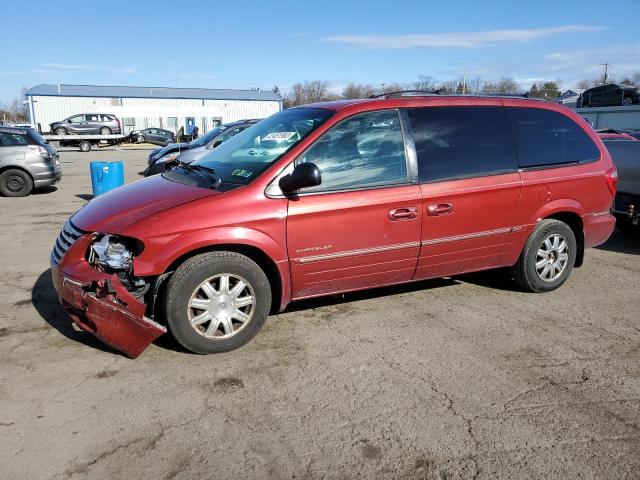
x=552 y=257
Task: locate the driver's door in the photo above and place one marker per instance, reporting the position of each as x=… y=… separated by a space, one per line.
x=360 y=227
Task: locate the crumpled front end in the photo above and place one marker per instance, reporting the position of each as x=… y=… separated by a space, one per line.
x=97 y=301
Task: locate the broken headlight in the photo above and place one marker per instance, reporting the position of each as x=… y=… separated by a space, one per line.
x=112 y=252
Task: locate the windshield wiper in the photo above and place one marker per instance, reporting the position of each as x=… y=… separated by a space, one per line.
x=207 y=172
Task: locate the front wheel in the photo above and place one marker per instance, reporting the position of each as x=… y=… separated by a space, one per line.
x=61 y=131
x=216 y=302
x=547 y=258
x=85 y=146
x=627 y=101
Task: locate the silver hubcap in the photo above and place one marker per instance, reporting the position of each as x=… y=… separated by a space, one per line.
x=552 y=258
x=221 y=306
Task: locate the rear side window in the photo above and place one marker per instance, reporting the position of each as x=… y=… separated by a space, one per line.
x=545 y=137
x=9 y=139
x=460 y=142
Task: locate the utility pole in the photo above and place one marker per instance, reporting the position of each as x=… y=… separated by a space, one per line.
x=606 y=66
x=464 y=82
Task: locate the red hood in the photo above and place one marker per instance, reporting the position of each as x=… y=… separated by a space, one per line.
x=119 y=208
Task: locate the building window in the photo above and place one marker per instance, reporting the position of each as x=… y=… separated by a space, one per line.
x=172 y=123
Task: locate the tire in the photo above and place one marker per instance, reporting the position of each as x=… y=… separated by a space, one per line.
x=15 y=183
x=61 y=131
x=186 y=302
x=627 y=101
x=140 y=139
x=85 y=146
x=105 y=131
x=530 y=276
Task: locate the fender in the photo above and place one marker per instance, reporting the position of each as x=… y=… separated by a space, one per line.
x=557 y=206
x=161 y=251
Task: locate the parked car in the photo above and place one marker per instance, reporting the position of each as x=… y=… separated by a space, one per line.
x=27 y=161
x=617 y=136
x=330 y=198
x=624 y=133
x=88 y=124
x=157 y=136
x=609 y=95
x=626 y=158
x=160 y=159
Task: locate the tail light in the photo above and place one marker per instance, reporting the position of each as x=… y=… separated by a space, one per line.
x=612 y=180
x=41 y=150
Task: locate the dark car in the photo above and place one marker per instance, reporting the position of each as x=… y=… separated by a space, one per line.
x=626 y=206
x=161 y=157
x=88 y=124
x=610 y=95
x=157 y=136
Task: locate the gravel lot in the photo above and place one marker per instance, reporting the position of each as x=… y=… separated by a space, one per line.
x=455 y=378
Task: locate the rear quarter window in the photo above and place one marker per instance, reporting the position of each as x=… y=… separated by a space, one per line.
x=11 y=139
x=546 y=138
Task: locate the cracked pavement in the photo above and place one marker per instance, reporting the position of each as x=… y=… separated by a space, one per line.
x=453 y=379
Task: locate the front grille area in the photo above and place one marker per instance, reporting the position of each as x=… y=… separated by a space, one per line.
x=68 y=235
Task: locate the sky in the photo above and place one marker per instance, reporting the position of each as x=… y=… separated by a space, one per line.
x=245 y=44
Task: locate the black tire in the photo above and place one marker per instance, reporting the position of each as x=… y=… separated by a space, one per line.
x=105 y=131
x=61 y=131
x=84 y=146
x=186 y=281
x=15 y=183
x=524 y=271
x=627 y=101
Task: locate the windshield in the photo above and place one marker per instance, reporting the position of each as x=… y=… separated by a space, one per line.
x=198 y=142
x=245 y=156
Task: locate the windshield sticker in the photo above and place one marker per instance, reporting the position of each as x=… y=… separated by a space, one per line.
x=242 y=173
x=279 y=136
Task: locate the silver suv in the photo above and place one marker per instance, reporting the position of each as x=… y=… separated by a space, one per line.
x=88 y=124
x=27 y=161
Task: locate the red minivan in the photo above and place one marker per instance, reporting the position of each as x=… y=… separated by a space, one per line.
x=335 y=197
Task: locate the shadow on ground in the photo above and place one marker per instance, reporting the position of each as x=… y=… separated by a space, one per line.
x=45 y=301
x=44 y=190
x=622 y=242
x=85 y=196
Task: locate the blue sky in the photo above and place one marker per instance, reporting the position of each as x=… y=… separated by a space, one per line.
x=260 y=44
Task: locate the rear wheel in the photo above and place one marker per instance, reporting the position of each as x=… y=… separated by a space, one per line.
x=15 y=183
x=105 y=131
x=217 y=302
x=547 y=258
x=627 y=101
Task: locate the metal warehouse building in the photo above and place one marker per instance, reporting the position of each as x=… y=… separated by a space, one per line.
x=145 y=107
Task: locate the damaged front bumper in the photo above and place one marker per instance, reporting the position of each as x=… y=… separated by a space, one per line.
x=99 y=304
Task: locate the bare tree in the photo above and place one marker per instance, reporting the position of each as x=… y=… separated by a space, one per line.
x=426 y=82
x=309 y=92
x=357 y=90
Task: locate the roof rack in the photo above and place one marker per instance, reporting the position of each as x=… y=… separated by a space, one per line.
x=407 y=93
x=420 y=93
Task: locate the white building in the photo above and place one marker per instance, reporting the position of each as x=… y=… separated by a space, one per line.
x=569 y=97
x=145 y=107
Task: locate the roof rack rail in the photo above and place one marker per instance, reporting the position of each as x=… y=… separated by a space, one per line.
x=418 y=93
x=408 y=93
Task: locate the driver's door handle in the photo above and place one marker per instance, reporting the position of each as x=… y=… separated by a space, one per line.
x=403 y=213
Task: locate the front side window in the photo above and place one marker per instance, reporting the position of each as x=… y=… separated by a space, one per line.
x=77 y=119
x=545 y=137
x=462 y=142
x=363 y=151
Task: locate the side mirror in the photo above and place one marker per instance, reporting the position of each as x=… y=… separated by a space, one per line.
x=304 y=175
x=216 y=143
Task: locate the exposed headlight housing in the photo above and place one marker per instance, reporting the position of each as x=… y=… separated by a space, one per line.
x=111 y=251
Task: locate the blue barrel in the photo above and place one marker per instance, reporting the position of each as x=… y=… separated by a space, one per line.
x=106 y=176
